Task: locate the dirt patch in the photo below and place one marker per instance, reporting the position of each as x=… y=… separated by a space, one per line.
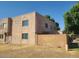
x=34 y=52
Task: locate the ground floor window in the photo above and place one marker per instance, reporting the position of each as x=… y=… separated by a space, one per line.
x=24 y=35
x=1 y=36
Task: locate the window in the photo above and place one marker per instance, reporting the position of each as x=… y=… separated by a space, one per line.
x=46 y=25
x=1 y=36
x=1 y=25
x=25 y=23
x=4 y=25
x=24 y=35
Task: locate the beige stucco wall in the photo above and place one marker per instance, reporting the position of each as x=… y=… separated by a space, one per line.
x=40 y=25
x=53 y=28
x=17 y=29
x=50 y=40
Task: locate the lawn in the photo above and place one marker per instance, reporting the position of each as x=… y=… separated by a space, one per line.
x=7 y=50
x=74 y=49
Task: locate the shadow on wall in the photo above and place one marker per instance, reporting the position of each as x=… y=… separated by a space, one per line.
x=44 y=32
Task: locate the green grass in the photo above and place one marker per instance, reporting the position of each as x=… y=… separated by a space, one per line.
x=74 y=49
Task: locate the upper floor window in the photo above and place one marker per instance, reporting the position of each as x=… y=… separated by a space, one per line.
x=46 y=25
x=25 y=23
x=3 y=25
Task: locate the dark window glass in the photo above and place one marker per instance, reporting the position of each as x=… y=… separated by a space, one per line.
x=24 y=35
x=46 y=25
x=25 y=23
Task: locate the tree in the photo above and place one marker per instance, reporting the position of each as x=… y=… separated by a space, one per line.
x=71 y=20
x=51 y=19
x=57 y=25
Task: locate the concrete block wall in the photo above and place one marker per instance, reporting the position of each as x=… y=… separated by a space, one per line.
x=52 y=40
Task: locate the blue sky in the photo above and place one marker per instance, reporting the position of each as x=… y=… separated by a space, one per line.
x=55 y=9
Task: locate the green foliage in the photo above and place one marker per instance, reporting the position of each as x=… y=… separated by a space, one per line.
x=57 y=25
x=71 y=20
x=51 y=19
x=48 y=17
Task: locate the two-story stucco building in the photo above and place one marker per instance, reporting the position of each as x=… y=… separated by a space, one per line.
x=23 y=29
